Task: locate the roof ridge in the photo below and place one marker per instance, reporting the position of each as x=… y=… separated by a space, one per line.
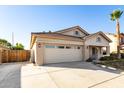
x=67 y=28
x=65 y=35
x=72 y=28
x=98 y=33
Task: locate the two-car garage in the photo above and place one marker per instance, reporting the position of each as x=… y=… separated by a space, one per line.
x=56 y=48
x=62 y=53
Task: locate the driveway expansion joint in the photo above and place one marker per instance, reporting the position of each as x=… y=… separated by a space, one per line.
x=52 y=78
x=106 y=81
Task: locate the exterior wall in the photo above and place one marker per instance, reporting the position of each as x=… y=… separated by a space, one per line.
x=113 y=44
x=33 y=53
x=58 y=41
x=90 y=51
x=92 y=41
x=86 y=52
x=108 y=50
x=72 y=33
x=37 y=53
x=100 y=52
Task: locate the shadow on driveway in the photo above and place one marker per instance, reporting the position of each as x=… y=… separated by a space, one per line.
x=82 y=65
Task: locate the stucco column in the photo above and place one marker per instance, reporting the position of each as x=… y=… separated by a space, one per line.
x=108 y=50
x=86 y=52
x=39 y=53
x=101 y=51
x=83 y=53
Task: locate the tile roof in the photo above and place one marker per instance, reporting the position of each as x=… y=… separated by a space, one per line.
x=78 y=27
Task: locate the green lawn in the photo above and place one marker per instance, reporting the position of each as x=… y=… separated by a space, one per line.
x=116 y=63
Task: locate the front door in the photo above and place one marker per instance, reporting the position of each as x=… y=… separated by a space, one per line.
x=94 y=53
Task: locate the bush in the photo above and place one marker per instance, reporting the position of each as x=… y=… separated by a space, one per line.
x=119 y=63
x=107 y=58
x=115 y=55
x=122 y=55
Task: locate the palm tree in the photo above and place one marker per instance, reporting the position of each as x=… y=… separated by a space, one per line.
x=115 y=16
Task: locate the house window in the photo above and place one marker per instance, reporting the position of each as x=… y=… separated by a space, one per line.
x=62 y=47
x=49 y=46
x=122 y=40
x=93 y=50
x=68 y=47
x=76 y=33
x=104 y=50
x=98 y=39
x=78 y=47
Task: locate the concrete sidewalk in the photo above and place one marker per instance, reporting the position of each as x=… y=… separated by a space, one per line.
x=70 y=75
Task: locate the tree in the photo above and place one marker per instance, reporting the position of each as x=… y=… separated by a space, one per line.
x=18 y=46
x=5 y=43
x=115 y=16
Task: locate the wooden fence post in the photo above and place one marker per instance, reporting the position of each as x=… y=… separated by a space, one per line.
x=0 y=56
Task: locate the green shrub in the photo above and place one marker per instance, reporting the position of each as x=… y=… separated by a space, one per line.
x=107 y=58
x=119 y=63
x=115 y=55
x=122 y=55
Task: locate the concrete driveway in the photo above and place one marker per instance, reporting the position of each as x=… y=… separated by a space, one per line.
x=70 y=75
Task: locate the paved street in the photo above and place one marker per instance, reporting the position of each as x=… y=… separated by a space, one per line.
x=10 y=75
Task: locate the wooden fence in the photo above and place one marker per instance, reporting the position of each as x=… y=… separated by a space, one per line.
x=14 y=56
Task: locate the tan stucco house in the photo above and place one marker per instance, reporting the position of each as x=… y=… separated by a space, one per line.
x=113 y=44
x=68 y=45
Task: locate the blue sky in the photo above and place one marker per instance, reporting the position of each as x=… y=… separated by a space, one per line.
x=22 y=20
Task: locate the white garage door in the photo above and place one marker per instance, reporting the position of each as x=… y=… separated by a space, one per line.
x=57 y=54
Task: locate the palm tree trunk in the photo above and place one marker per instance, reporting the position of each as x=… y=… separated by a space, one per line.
x=118 y=38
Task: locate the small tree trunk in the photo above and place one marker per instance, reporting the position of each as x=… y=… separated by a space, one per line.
x=118 y=39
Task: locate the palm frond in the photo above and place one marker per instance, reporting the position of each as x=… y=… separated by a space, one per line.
x=117 y=13
x=112 y=17
x=121 y=13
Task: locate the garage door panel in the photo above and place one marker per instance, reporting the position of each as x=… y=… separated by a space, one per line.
x=56 y=55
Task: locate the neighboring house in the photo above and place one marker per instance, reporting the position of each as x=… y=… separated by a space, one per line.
x=113 y=44
x=67 y=45
x=122 y=41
